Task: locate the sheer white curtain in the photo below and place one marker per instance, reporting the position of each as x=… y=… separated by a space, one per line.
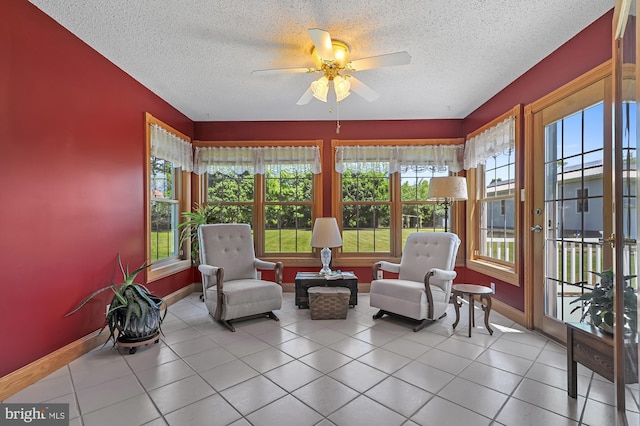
x=171 y=148
x=256 y=160
x=492 y=141
x=394 y=158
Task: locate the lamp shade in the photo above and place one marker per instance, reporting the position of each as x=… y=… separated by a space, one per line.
x=320 y=88
x=341 y=86
x=326 y=233
x=448 y=188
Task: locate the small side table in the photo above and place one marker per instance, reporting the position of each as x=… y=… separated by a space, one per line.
x=459 y=290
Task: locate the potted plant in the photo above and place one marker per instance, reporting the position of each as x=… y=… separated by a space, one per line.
x=134 y=311
x=598 y=303
x=202 y=215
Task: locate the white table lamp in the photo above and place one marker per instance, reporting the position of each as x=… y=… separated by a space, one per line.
x=326 y=235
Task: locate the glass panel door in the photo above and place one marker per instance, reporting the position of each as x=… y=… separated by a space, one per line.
x=626 y=219
x=570 y=200
x=573 y=209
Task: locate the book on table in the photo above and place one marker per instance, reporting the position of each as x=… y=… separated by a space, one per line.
x=338 y=275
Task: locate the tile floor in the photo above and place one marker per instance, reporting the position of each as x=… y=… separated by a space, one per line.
x=329 y=372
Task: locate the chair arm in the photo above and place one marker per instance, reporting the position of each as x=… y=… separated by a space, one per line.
x=277 y=267
x=438 y=274
x=384 y=266
x=263 y=264
x=212 y=271
x=441 y=274
x=208 y=270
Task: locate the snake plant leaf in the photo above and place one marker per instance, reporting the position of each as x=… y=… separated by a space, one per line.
x=145 y=295
x=142 y=306
x=130 y=276
x=89 y=297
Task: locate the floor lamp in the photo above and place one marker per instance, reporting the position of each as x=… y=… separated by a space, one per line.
x=446 y=190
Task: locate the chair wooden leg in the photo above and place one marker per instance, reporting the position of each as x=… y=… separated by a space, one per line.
x=421 y=325
x=379 y=314
x=228 y=325
x=273 y=316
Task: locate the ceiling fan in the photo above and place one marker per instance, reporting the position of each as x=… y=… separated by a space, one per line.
x=331 y=58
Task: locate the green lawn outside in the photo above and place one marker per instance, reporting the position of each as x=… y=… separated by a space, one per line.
x=161 y=245
x=284 y=241
x=495 y=245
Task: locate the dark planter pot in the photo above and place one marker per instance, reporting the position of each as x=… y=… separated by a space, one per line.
x=139 y=330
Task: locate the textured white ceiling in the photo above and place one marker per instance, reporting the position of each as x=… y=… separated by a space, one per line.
x=198 y=54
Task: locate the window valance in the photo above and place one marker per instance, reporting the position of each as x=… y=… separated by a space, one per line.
x=496 y=139
x=257 y=160
x=395 y=158
x=170 y=147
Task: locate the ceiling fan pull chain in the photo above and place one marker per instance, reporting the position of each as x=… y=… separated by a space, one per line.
x=338 y=118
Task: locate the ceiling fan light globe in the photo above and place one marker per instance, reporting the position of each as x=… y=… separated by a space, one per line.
x=341 y=86
x=340 y=97
x=320 y=88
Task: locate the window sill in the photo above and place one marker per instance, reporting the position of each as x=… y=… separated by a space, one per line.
x=168 y=268
x=336 y=262
x=496 y=271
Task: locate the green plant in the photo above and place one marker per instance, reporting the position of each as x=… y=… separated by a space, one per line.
x=201 y=215
x=134 y=310
x=598 y=304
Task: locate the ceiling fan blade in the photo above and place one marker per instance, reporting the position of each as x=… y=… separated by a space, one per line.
x=362 y=89
x=306 y=97
x=388 y=60
x=322 y=42
x=283 y=71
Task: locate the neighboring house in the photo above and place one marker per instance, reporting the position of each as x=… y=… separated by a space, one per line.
x=582 y=215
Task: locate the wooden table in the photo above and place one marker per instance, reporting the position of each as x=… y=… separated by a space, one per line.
x=304 y=280
x=472 y=290
x=593 y=348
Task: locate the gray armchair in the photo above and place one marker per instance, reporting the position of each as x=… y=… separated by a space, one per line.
x=230 y=284
x=425 y=275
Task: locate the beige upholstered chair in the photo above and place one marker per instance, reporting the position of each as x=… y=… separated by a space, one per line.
x=425 y=275
x=230 y=283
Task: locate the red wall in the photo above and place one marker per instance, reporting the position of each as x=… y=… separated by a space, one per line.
x=71 y=172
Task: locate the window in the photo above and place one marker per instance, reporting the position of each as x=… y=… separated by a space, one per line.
x=582 y=202
x=366 y=211
x=382 y=195
x=168 y=190
x=418 y=214
x=497 y=207
x=164 y=210
x=492 y=227
x=273 y=188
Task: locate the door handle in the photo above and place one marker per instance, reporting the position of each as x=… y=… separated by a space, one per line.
x=536 y=228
